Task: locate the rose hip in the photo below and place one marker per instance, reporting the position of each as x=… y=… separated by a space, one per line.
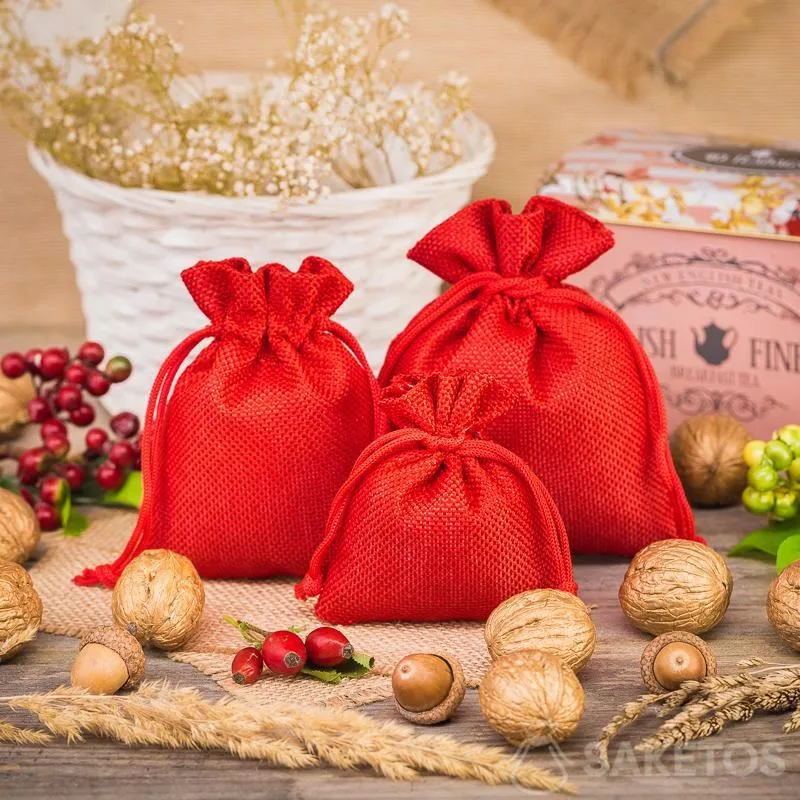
x=13 y=365
x=327 y=647
x=125 y=424
x=53 y=490
x=32 y=463
x=75 y=373
x=39 y=410
x=284 y=653
x=118 y=369
x=73 y=474
x=82 y=416
x=91 y=353
x=53 y=363
x=48 y=516
x=32 y=360
x=247 y=666
x=57 y=444
x=123 y=454
x=97 y=384
x=96 y=438
x=52 y=427
x=68 y=398
x=109 y=476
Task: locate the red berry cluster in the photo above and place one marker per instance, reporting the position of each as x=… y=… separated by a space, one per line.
x=285 y=653
x=46 y=474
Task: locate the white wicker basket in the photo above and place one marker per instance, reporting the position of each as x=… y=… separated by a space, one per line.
x=130 y=245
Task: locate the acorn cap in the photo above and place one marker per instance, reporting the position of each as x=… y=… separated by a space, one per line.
x=654 y=648
x=447 y=707
x=124 y=644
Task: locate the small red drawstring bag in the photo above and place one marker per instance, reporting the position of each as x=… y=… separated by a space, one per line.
x=241 y=462
x=435 y=523
x=589 y=419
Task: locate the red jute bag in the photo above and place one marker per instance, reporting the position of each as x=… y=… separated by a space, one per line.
x=435 y=523
x=241 y=461
x=589 y=419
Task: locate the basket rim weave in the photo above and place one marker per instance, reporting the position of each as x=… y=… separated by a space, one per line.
x=481 y=145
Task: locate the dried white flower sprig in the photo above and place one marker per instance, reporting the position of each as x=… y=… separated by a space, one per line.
x=336 y=115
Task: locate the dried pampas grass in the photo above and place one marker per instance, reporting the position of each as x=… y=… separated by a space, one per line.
x=280 y=734
x=703 y=708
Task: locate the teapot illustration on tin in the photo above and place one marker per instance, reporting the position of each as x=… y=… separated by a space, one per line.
x=716 y=343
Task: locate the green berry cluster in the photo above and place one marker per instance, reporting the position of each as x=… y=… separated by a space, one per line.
x=773 y=475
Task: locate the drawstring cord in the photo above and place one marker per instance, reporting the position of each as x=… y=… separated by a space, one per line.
x=152 y=451
x=517 y=288
x=153 y=442
x=350 y=341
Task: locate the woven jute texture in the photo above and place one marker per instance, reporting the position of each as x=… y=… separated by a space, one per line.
x=70 y=610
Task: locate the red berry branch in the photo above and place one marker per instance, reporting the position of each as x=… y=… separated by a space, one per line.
x=326 y=654
x=50 y=477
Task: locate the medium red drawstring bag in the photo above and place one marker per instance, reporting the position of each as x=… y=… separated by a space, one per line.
x=435 y=523
x=589 y=418
x=241 y=462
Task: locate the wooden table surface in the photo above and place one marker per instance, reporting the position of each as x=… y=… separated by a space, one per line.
x=747 y=761
x=753 y=760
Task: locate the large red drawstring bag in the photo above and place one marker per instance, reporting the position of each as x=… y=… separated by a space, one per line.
x=590 y=419
x=241 y=462
x=435 y=523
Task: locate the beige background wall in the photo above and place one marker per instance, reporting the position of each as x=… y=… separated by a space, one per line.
x=538 y=103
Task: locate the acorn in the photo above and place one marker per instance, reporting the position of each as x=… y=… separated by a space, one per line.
x=428 y=687
x=675 y=657
x=109 y=659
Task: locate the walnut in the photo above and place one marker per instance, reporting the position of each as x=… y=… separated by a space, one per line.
x=15 y=394
x=676 y=585
x=159 y=598
x=531 y=698
x=20 y=609
x=783 y=605
x=542 y=619
x=19 y=528
x=707 y=451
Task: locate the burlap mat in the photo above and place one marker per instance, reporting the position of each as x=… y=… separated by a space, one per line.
x=69 y=610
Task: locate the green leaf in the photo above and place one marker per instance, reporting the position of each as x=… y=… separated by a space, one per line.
x=75 y=525
x=766 y=540
x=356 y=667
x=324 y=675
x=788 y=552
x=65 y=506
x=9 y=482
x=128 y=495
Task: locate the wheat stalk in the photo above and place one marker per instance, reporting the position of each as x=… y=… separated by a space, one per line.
x=283 y=735
x=12 y=735
x=703 y=708
x=17 y=639
x=630 y=713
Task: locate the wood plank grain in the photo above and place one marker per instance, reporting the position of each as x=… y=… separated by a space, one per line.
x=752 y=760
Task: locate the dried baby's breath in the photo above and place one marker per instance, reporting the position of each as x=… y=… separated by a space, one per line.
x=338 y=115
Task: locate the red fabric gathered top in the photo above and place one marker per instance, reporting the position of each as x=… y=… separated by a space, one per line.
x=588 y=416
x=435 y=522
x=242 y=459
